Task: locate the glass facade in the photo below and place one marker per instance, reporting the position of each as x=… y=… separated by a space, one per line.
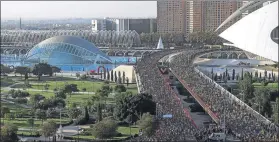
x=67 y=52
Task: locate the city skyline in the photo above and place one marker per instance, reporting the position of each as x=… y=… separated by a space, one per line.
x=11 y=10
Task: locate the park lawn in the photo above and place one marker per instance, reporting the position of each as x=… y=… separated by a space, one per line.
x=22 y=122
x=89 y=85
x=21 y=132
x=44 y=93
x=269 y=85
x=125 y=131
x=79 y=99
x=14 y=108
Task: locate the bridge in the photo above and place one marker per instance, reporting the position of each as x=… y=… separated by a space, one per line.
x=135 y=52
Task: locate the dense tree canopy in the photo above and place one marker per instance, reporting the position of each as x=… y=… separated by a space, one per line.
x=133 y=105
x=42 y=69
x=8 y=133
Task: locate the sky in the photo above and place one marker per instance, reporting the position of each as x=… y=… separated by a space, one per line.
x=77 y=9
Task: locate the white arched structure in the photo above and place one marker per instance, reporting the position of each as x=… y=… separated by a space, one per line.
x=241 y=10
x=253 y=32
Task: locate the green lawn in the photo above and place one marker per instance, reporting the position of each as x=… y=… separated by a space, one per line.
x=125 y=131
x=269 y=85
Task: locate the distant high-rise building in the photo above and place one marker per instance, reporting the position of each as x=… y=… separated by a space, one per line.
x=139 y=25
x=180 y=16
x=171 y=16
x=208 y=15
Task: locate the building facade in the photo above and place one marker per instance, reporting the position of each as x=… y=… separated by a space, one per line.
x=171 y=16
x=139 y=25
x=180 y=16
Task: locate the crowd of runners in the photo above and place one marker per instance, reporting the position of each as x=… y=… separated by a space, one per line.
x=239 y=120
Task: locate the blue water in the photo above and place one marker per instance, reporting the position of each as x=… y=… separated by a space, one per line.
x=116 y=61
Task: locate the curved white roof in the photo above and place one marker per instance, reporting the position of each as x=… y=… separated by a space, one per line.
x=253 y=32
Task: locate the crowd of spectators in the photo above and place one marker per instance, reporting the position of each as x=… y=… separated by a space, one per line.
x=242 y=122
x=239 y=121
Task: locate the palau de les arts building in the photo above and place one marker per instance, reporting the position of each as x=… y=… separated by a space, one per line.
x=69 y=53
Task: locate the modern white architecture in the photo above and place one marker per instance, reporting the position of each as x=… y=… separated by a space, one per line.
x=257 y=32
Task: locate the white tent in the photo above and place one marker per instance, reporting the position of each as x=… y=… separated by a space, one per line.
x=160 y=44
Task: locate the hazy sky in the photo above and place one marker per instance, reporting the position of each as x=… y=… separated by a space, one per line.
x=77 y=9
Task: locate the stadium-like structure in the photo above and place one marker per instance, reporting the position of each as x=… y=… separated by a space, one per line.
x=68 y=53
x=29 y=38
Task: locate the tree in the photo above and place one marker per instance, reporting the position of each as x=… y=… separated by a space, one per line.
x=5 y=69
x=115 y=76
x=127 y=81
x=49 y=129
x=242 y=74
x=269 y=76
x=60 y=94
x=120 y=88
x=260 y=75
x=246 y=88
x=276 y=111
x=233 y=74
x=26 y=76
x=69 y=88
x=146 y=124
x=111 y=75
x=78 y=75
x=42 y=69
x=215 y=77
x=256 y=74
x=34 y=99
x=123 y=77
x=105 y=77
x=261 y=98
x=265 y=74
x=226 y=72
x=108 y=74
x=30 y=122
x=55 y=69
x=4 y=110
x=22 y=70
x=74 y=113
x=41 y=114
x=9 y=133
x=104 y=129
x=136 y=104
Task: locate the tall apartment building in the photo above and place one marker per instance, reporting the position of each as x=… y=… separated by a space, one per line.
x=208 y=15
x=171 y=16
x=180 y=16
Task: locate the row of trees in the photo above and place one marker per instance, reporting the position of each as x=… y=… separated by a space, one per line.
x=38 y=70
x=256 y=77
x=114 y=77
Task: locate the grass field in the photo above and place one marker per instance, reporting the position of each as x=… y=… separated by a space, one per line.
x=125 y=131
x=269 y=85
